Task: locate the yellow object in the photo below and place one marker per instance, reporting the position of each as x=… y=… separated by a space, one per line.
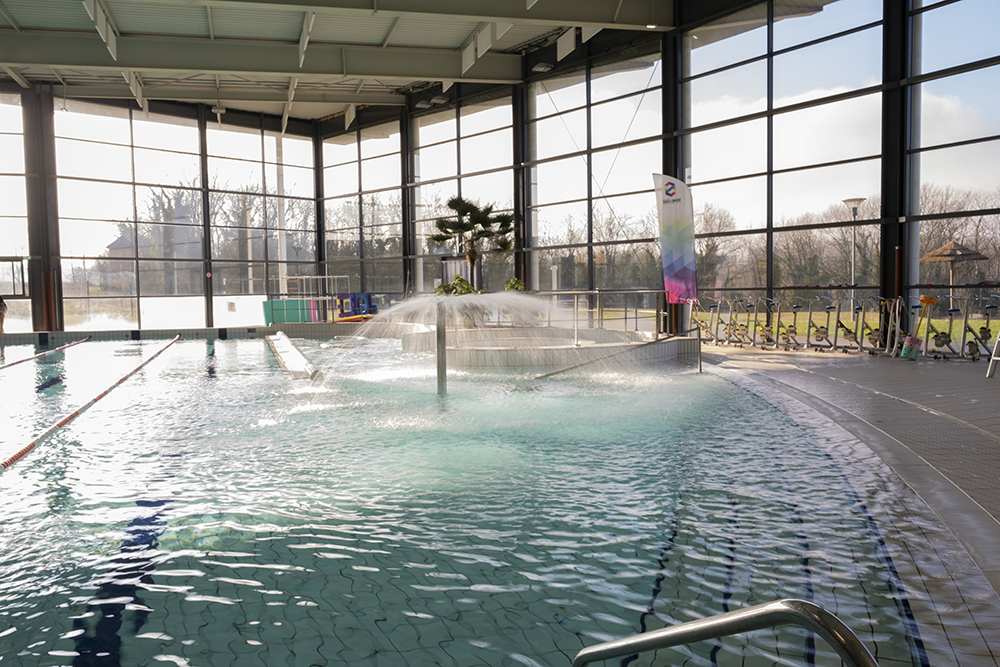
x=928 y=300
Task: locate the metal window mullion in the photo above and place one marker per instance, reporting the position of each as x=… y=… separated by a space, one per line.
x=769 y=212
x=590 y=180
x=318 y=201
x=206 y=217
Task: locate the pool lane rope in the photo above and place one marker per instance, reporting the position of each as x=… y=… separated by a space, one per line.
x=39 y=356
x=70 y=417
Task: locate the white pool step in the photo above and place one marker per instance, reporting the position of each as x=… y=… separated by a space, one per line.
x=291 y=358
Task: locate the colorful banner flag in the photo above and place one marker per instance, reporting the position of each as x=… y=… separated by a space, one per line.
x=673 y=203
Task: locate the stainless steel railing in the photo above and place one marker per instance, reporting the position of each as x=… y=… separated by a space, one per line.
x=772 y=614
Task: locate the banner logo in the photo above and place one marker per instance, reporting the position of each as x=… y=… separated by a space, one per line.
x=669 y=189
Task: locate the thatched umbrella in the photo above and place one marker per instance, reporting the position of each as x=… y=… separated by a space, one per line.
x=953 y=252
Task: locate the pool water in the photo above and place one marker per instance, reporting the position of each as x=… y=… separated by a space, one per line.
x=211 y=511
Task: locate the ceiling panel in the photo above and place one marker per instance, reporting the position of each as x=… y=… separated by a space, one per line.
x=50 y=14
x=153 y=19
x=273 y=25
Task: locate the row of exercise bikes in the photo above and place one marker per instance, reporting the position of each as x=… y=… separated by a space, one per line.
x=872 y=324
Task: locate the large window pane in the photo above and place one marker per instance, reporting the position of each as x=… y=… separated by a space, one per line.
x=431 y=201
x=384 y=276
x=236 y=210
x=87 y=159
x=92 y=122
x=626 y=169
x=287 y=150
x=166 y=133
x=740 y=262
x=170 y=278
x=235 y=175
x=435 y=162
x=167 y=168
x=623 y=218
x=823 y=256
x=290 y=181
x=340 y=149
x=238 y=243
x=981 y=234
x=957 y=108
x=488 y=151
x=558 y=135
x=380 y=140
x=11 y=118
x=810 y=196
x=380 y=208
x=728 y=94
x=496 y=189
x=93 y=200
x=181 y=207
x=297 y=214
x=382 y=172
x=621 y=77
x=793 y=26
x=565 y=224
x=963 y=178
x=628 y=266
x=957 y=33
x=343 y=244
x=828 y=68
x=729 y=40
x=170 y=241
x=485 y=115
x=342 y=213
x=434 y=128
x=347 y=276
x=12 y=196
x=98 y=277
x=234 y=310
x=734 y=150
x=340 y=180
x=238 y=278
x=558 y=269
x=561 y=180
x=291 y=246
x=96 y=238
x=11 y=153
x=730 y=205
x=557 y=94
x=851 y=128
x=626 y=119
x=383 y=241
x=235 y=142
x=13 y=237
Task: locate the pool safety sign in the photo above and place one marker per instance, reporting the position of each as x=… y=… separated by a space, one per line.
x=676 y=212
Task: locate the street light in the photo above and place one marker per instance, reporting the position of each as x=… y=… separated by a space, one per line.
x=853 y=204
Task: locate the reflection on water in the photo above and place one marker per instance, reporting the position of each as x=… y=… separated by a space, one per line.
x=213 y=512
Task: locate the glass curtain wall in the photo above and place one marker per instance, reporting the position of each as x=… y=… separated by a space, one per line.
x=13 y=217
x=782 y=118
x=129 y=219
x=594 y=138
x=467 y=151
x=262 y=219
x=955 y=150
x=362 y=182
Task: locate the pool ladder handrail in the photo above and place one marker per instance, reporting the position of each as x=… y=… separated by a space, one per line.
x=759 y=617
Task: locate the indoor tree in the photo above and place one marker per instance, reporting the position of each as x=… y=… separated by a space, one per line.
x=471 y=226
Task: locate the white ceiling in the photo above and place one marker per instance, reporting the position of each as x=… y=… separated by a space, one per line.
x=299 y=58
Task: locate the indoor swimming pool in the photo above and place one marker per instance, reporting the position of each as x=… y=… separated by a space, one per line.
x=211 y=511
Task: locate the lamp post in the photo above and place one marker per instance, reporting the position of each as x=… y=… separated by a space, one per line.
x=853 y=204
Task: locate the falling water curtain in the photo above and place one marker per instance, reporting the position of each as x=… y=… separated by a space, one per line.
x=676 y=213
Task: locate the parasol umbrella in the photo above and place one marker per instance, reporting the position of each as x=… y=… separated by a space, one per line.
x=953 y=252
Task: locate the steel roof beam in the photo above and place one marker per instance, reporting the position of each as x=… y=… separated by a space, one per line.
x=153 y=55
x=9 y=18
x=623 y=14
x=225 y=95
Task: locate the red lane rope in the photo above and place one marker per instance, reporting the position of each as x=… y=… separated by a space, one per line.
x=38 y=356
x=70 y=417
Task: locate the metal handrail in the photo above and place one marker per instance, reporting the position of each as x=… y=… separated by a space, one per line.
x=771 y=614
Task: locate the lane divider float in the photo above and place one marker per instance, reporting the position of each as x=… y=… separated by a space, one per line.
x=70 y=417
x=39 y=356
